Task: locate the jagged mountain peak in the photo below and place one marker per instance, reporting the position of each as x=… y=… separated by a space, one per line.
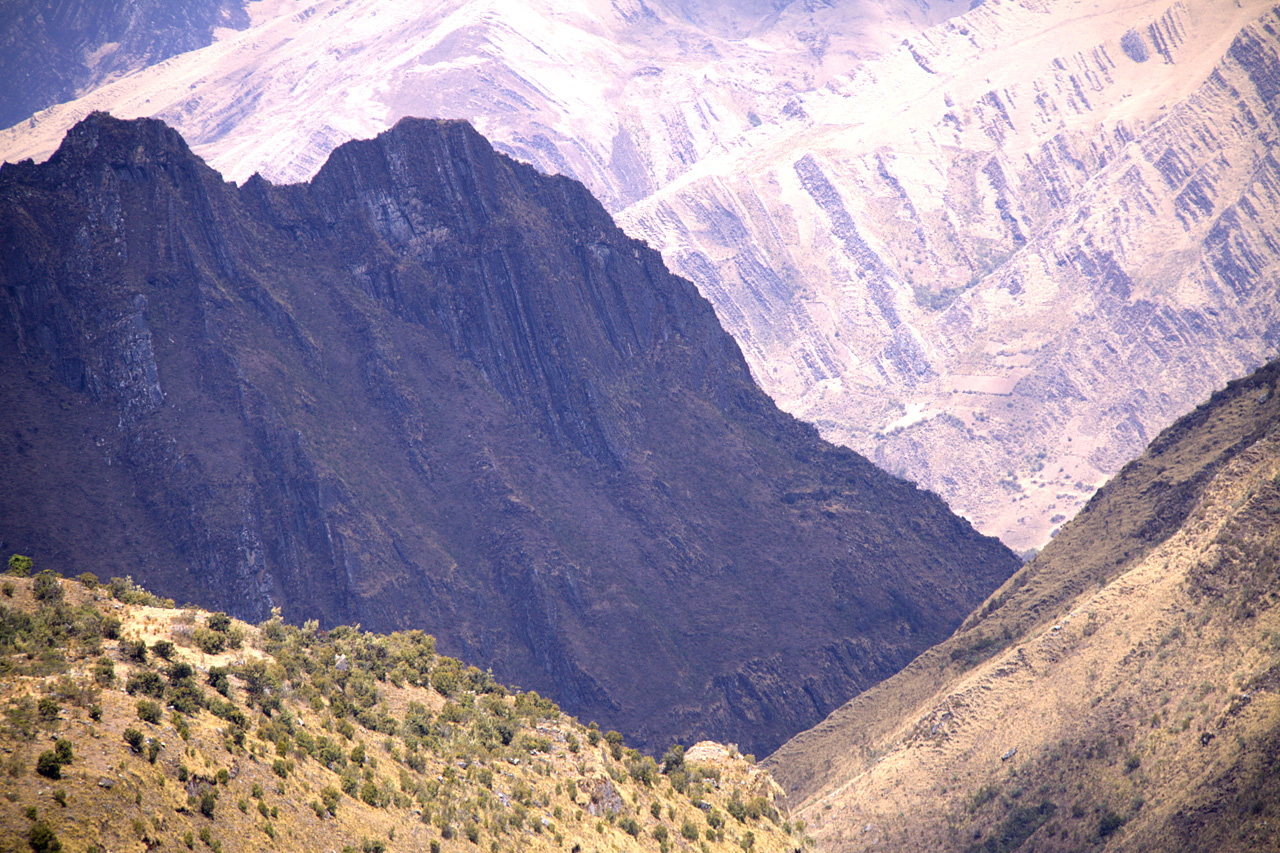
x=434 y=386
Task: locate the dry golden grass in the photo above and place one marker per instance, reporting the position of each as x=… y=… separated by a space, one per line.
x=1120 y=692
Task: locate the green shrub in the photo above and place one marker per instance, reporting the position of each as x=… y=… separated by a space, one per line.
x=47 y=587
x=219 y=681
x=104 y=671
x=20 y=566
x=331 y=796
x=147 y=683
x=164 y=649
x=43 y=839
x=208 y=641
x=1109 y=823
x=153 y=749
x=62 y=748
x=48 y=765
x=149 y=712
x=689 y=830
x=134 y=738
x=208 y=801
x=48 y=709
x=660 y=834
x=134 y=650
x=614 y=739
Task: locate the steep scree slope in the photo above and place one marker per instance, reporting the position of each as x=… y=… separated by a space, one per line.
x=433 y=386
x=1121 y=691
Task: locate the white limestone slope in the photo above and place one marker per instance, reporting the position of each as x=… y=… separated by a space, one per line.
x=996 y=251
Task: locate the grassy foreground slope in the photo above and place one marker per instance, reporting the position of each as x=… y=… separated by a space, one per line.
x=1119 y=692
x=129 y=724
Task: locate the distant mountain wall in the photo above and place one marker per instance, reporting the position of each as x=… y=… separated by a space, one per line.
x=52 y=52
x=433 y=388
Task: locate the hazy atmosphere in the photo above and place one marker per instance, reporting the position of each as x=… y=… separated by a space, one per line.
x=640 y=424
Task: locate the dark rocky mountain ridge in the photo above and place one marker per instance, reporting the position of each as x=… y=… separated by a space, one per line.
x=434 y=388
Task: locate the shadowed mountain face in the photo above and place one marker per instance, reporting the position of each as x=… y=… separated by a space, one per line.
x=434 y=388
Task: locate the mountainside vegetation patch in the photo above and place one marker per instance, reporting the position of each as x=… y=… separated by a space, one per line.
x=295 y=738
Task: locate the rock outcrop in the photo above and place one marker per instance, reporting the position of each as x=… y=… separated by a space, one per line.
x=432 y=387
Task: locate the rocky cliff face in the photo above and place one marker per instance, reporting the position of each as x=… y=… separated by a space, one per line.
x=53 y=52
x=995 y=249
x=433 y=388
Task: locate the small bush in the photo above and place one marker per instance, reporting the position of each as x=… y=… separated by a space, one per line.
x=134 y=650
x=207 y=803
x=48 y=709
x=164 y=649
x=48 y=765
x=135 y=739
x=614 y=739
x=1109 y=823
x=64 y=751
x=104 y=671
x=147 y=683
x=20 y=566
x=208 y=641
x=43 y=839
x=47 y=587
x=689 y=830
x=149 y=712
x=219 y=681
